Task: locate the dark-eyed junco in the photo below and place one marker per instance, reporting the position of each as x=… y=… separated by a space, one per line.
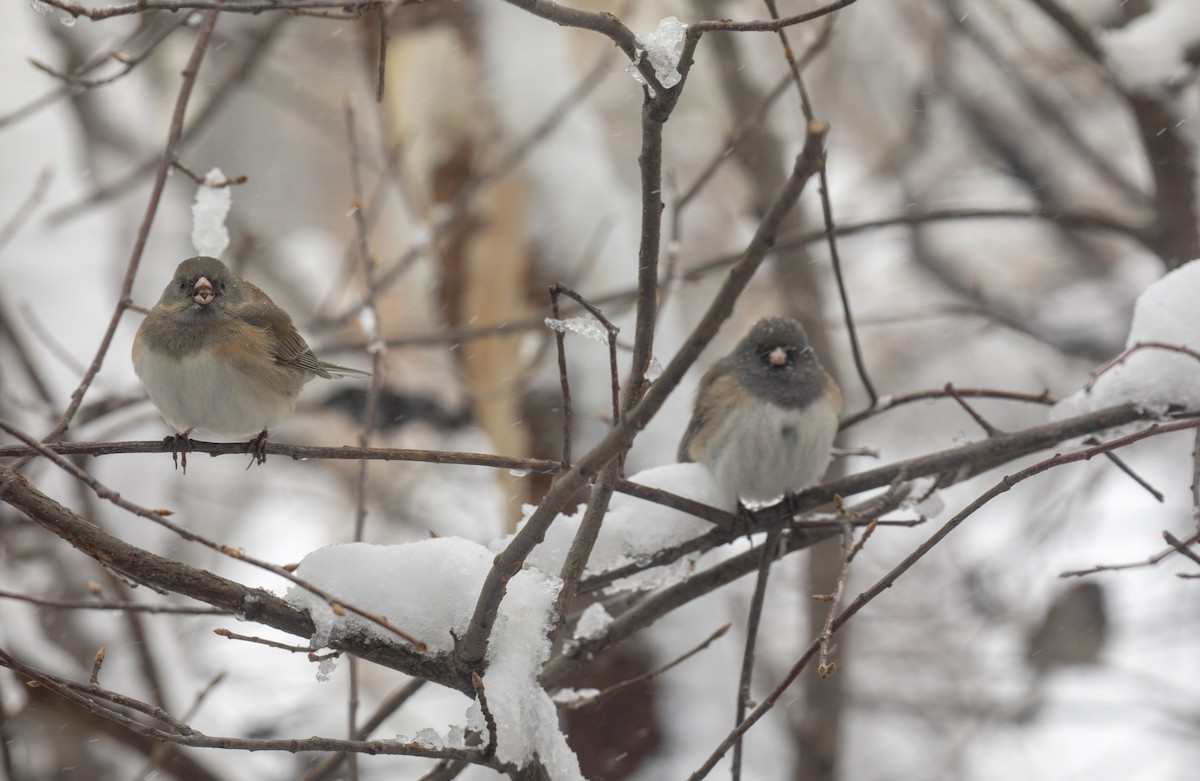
x=215 y=353
x=766 y=414
x=1073 y=630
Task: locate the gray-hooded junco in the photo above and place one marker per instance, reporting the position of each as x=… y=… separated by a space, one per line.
x=1073 y=631
x=766 y=414
x=215 y=353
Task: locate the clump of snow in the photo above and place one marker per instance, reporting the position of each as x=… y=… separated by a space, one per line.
x=592 y=623
x=429 y=589
x=662 y=49
x=325 y=669
x=430 y=739
x=924 y=498
x=654 y=370
x=1155 y=378
x=1149 y=54
x=368 y=322
x=211 y=207
x=635 y=528
x=574 y=698
x=426 y=588
x=526 y=718
x=588 y=327
x=931 y=506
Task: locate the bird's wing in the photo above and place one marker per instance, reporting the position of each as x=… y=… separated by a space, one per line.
x=289 y=346
x=706 y=406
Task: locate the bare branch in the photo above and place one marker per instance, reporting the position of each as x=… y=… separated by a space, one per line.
x=472 y=646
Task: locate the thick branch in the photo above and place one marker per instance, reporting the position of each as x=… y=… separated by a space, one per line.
x=158 y=572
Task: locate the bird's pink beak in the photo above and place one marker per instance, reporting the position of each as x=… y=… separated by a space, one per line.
x=778 y=357
x=202 y=292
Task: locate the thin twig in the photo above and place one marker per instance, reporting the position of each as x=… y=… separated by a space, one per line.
x=97 y=663
x=382 y=18
x=647 y=676
x=202 y=181
x=231 y=635
x=168 y=729
x=564 y=381
x=585 y=539
x=1128 y=351
x=133 y=607
x=27 y=207
x=987 y=427
x=886 y=403
x=306 y=452
x=128 y=62
x=558 y=288
x=25 y=358
x=369 y=319
x=715 y=539
x=1148 y=562
x=390 y=704
x=1120 y=464
x=1182 y=547
x=773 y=25
x=255 y=49
x=824 y=667
x=742 y=130
x=748 y=653
x=1196 y=481
x=355 y=7
x=352 y=719
x=488 y=719
x=77 y=85
x=827 y=214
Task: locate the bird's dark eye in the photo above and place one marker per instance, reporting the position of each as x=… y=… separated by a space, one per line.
x=183 y=285
x=221 y=286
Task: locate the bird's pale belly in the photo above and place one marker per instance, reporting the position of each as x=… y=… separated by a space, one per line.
x=766 y=451
x=202 y=392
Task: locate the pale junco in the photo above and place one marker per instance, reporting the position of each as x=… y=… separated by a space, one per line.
x=766 y=414
x=215 y=353
x=1073 y=630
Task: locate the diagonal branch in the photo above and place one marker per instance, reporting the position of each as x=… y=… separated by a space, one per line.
x=472 y=647
x=162 y=573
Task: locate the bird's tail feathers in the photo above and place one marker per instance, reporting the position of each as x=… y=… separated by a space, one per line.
x=338 y=372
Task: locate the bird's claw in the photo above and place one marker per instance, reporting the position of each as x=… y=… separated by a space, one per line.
x=257 y=448
x=744 y=522
x=179 y=445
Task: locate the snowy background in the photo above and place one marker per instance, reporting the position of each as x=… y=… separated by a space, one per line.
x=980 y=663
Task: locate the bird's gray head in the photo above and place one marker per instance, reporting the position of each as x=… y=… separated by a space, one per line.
x=776 y=362
x=202 y=287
